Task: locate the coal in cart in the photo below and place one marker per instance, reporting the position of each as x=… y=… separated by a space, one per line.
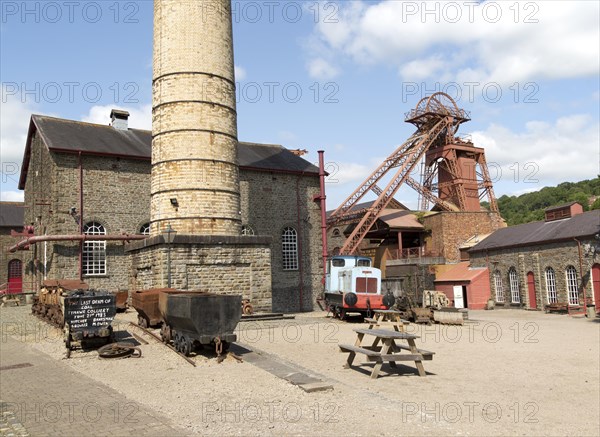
x=88 y=318
x=195 y=319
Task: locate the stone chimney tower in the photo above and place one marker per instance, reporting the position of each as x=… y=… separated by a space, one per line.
x=195 y=180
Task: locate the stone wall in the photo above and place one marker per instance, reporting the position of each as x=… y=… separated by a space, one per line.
x=449 y=230
x=536 y=259
x=218 y=264
x=272 y=202
x=116 y=194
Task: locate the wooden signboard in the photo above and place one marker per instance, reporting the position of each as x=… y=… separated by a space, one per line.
x=90 y=312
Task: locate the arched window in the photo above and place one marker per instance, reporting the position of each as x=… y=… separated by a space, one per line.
x=551 y=285
x=515 y=296
x=247 y=230
x=145 y=229
x=94 y=252
x=336 y=232
x=572 y=286
x=289 y=247
x=499 y=287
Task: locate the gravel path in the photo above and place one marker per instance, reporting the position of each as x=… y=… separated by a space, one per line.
x=506 y=372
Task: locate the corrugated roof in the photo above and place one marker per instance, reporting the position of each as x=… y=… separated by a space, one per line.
x=72 y=136
x=461 y=272
x=11 y=214
x=581 y=225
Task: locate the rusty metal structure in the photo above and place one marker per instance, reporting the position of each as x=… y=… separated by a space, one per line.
x=454 y=174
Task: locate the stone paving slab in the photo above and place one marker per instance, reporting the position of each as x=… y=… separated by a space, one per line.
x=292 y=373
x=40 y=396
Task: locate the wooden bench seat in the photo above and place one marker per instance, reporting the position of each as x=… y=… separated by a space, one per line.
x=359 y=350
x=427 y=355
x=375 y=355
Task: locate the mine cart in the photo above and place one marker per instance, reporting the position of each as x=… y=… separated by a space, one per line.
x=196 y=318
x=88 y=318
x=145 y=303
x=121 y=297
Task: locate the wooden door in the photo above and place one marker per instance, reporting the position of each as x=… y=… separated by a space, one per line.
x=15 y=278
x=596 y=285
x=531 y=289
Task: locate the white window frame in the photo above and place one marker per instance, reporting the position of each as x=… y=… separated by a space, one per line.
x=145 y=229
x=513 y=277
x=289 y=248
x=551 y=294
x=94 y=252
x=498 y=286
x=572 y=285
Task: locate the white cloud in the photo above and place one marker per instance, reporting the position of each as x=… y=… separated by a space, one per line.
x=564 y=150
x=530 y=41
x=345 y=172
x=240 y=73
x=14 y=123
x=12 y=196
x=321 y=69
x=139 y=118
x=420 y=69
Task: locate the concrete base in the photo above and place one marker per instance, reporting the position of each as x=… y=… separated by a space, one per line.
x=216 y=264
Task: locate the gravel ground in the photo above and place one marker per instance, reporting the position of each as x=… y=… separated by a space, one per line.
x=506 y=372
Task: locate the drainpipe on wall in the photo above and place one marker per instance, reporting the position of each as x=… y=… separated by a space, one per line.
x=80 y=217
x=322 y=199
x=300 y=263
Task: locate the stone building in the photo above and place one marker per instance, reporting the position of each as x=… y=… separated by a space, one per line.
x=81 y=177
x=552 y=261
x=11 y=264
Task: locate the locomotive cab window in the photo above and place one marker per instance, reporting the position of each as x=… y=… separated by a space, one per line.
x=364 y=263
x=338 y=262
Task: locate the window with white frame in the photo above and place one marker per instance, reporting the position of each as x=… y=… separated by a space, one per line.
x=499 y=288
x=572 y=286
x=145 y=229
x=94 y=252
x=247 y=230
x=289 y=243
x=515 y=296
x=551 y=285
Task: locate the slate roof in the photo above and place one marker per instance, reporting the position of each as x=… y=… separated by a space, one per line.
x=11 y=214
x=70 y=136
x=586 y=224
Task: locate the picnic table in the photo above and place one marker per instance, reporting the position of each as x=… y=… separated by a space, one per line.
x=385 y=318
x=389 y=351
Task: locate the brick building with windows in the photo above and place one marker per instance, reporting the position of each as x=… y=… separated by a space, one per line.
x=95 y=179
x=552 y=261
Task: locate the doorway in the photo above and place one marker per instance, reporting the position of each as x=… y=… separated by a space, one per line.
x=15 y=277
x=596 y=285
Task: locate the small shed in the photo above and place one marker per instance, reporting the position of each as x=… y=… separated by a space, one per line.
x=465 y=286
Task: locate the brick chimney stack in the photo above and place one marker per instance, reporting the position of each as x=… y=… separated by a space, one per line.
x=195 y=175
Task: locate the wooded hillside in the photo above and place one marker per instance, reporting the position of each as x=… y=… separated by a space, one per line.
x=530 y=207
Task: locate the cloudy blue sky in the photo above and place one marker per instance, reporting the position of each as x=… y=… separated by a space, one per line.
x=336 y=76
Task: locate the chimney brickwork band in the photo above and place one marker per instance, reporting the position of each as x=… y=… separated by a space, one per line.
x=195 y=175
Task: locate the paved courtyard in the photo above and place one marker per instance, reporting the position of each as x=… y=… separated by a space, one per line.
x=505 y=372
